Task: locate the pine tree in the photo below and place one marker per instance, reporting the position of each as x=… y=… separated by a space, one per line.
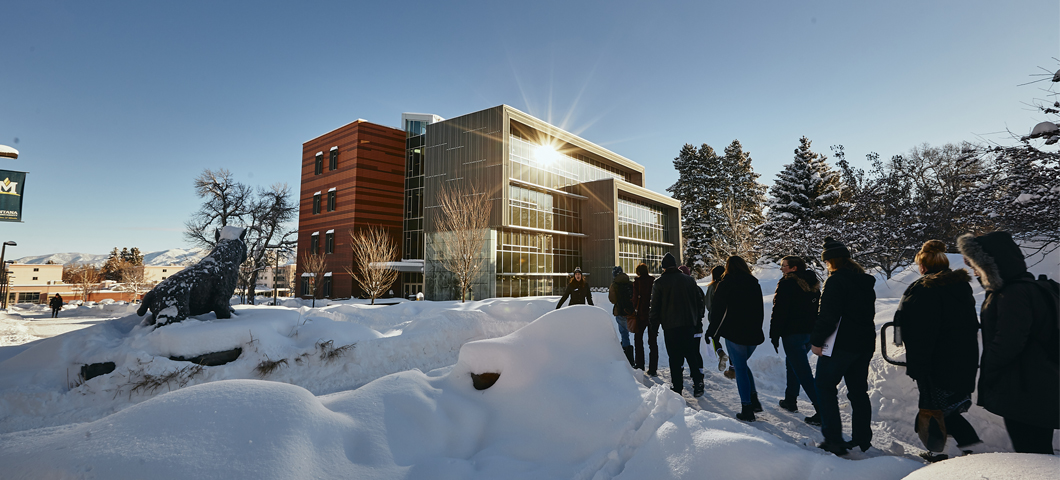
x=806 y=205
x=698 y=188
x=739 y=207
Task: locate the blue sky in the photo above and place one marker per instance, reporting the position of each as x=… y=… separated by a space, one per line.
x=117 y=106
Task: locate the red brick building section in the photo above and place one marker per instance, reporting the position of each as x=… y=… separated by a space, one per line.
x=365 y=183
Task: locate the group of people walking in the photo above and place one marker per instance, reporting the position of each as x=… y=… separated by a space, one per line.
x=835 y=320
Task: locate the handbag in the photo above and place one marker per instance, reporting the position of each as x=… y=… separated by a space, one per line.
x=631 y=322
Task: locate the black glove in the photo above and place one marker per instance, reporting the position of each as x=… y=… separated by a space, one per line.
x=776 y=344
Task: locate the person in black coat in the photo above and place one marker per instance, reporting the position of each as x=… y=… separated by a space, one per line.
x=57 y=304
x=677 y=305
x=940 y=331
x=577 y=290
x=844 y=348
x=1019 y=378
x=642 y=304
x=794 y=314
x=620 y=294
x=736 y=314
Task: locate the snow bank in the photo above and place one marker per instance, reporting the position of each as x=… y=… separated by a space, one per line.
x=995 y=466
x=566 y=405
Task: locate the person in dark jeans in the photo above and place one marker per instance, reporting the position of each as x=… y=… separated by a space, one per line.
x=620 y=294
x=1019 y=373
x=677 y=305
x=794 y=314
x=642 y=303
x=940 y=331
x=57 y=304
x=844 y=348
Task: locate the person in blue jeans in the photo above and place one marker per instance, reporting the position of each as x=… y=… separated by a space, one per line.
x=736 y=314
x=794 y=314
x=844 y=339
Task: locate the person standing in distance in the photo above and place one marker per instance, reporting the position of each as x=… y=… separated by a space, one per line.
x=577 y=290
x=677 y=305
x=844 y=339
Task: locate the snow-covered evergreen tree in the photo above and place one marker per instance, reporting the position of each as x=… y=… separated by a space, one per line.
x=805 y=206
x=741 y=201
x=698 y=188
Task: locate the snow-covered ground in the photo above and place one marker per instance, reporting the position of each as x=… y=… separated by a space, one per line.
x=386 y=391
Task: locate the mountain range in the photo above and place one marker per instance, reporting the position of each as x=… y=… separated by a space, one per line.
x=173 y=256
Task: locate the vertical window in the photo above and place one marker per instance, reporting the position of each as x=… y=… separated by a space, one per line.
x=305 y=286
x=319 y=164
x=333 y=161
x=316 y=203
x=331 y=200
x=329 y=242
x=327 y=286
x=314 y=240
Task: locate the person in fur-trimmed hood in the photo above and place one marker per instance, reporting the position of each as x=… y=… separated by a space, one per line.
x=1020 y=367
x=941 y=335
x=794 y=314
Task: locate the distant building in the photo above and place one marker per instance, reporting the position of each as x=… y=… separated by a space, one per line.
x=559 y=202
x=156 y=273
x=33 y=283
x=279 y=280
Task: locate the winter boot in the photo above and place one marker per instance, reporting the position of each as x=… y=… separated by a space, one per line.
x=789 y=405
x=755 y=404
x=815 y=420
x=698 y=389
x=730 y=373
x=747 y=415
x=629 y=355
x=863 y=445
x=836 y=448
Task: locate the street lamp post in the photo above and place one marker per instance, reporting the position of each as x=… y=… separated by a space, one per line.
x=3 y=272
x=275 y=270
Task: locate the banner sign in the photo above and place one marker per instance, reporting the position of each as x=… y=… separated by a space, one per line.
x=12 y=184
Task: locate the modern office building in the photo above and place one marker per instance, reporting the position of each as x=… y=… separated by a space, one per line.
x=557 y=201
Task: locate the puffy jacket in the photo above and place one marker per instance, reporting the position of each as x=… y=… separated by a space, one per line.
x=795 y=304
x=676 y=301
x=578 y=292
x=620 y=293
x=737 y=300
x=1020 y=378
x=941 y=330
x=847 y=296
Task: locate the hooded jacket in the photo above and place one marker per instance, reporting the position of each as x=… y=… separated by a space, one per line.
x=795 y=304
x=676 y=301
x=738 y=300
x=847 y=296
x=620 y=293
x=1019 y=376
x=941 y=330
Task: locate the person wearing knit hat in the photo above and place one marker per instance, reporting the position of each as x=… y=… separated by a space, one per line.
x=577 y=290
x=844 y=348
x=620 y=293
x=677 y=305
x=1019 y=377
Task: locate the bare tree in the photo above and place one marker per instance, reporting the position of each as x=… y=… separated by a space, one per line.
x=373 y=250
x=86 y=278
x=134 y=280
x=225 y=201
x=739 y=237
x=462 y=224
x=314 y=267
x=267 y=215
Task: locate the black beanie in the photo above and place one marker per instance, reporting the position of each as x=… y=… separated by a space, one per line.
x=834 y=249
x=669 y=261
